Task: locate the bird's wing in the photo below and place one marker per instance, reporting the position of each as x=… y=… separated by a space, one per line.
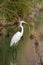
x=15 y=38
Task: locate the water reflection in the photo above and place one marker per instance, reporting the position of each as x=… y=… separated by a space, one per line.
x=11 y=63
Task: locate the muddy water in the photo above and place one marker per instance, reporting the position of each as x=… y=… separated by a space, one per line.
x=26 y=56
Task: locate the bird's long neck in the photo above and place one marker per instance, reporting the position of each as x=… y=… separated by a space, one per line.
x=22 y=29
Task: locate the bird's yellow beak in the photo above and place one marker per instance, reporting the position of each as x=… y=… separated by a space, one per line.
x=25 y=22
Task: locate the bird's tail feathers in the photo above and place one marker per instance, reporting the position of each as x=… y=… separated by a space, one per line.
x=11 y=44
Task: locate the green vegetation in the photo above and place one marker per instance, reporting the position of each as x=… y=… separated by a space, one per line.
x=14 y=9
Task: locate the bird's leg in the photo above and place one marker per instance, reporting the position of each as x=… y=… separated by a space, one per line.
x=15 y=51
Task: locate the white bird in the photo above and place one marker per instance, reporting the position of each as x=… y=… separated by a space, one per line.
x=17 y=36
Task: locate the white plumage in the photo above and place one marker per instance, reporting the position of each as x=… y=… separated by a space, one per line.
x=17 y=36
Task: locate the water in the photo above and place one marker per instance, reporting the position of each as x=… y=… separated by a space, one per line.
x=11 y=63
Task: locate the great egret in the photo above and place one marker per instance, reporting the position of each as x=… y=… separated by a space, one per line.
x=17 y=36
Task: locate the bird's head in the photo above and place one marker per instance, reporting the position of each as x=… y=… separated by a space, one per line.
x=21 y=22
